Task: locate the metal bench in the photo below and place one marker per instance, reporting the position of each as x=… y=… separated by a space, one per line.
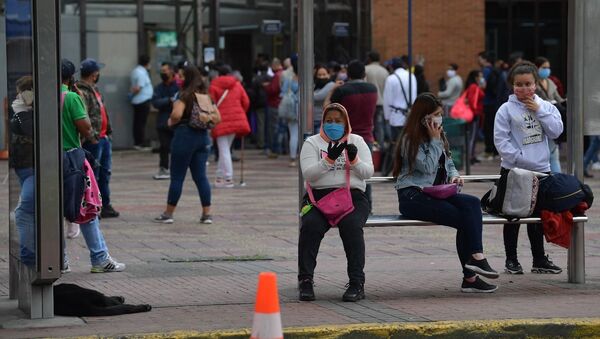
x=576 y=252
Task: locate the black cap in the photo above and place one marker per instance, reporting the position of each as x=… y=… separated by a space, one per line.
x=67 y=69
x=89 y=66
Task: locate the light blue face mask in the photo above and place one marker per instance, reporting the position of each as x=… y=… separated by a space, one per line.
x=544 y=73
x=334 y=131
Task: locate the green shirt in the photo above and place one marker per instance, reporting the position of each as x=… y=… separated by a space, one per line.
x=72 y=110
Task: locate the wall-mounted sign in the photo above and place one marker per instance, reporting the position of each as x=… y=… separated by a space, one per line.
x=209 y=54
x=166 y=39
x=271 y=27
x=341 y=29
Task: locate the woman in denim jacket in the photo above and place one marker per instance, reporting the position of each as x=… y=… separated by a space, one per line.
x=422 y=149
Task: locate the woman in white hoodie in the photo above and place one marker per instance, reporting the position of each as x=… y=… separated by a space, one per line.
x=333 y=159
x=522 y=128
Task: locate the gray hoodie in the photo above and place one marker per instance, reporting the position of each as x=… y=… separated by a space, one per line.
x=521 y=136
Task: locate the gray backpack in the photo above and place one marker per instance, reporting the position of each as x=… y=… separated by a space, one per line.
x=514 y=196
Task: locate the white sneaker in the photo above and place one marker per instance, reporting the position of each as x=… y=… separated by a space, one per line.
x=72 y=230
x=109 y=265
x=227 y=183
x=596 y=166
x=162 y=174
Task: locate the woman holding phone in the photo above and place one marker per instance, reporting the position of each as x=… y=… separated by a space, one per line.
x=423 y=159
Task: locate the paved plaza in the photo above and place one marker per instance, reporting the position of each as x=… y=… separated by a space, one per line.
x=203 y=277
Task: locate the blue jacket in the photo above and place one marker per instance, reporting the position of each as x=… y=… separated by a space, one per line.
x=161 y=100
x=425 y=167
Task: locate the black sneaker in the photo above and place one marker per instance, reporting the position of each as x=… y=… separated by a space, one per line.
x=307 y=293
x=354 y=292
x=481 y=267
x=477 y=286
x=108 y=212
x=513 y=267
x=545 y=265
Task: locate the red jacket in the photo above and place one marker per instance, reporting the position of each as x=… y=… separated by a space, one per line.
x=233 y=108
x=475 y=92
x=274 y=90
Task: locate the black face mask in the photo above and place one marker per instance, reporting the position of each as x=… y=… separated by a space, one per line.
x=164 y=77
x=97 y=79
x=320 y=83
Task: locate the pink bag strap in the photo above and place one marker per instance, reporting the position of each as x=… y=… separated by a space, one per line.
x=347 y=166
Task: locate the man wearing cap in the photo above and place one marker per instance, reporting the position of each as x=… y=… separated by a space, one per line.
x=141 y=95
x=75 y=123
x=98 y=143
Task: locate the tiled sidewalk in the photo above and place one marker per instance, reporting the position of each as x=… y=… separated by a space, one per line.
x=187 y=271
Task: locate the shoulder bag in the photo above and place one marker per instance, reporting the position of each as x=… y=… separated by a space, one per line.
x=441 y=189
x=336 y=204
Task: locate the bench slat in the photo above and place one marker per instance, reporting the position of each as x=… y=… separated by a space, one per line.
x=398 y=220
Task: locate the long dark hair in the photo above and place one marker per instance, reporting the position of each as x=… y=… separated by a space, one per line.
x=193 y=83
x=415 y=133
x=472 y=78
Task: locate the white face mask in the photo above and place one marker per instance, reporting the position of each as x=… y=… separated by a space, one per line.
x=450 y=73
x=437 y=121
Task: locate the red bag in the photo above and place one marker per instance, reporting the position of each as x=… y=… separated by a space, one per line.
x=336 y=204
x=461 y=110
x=441 y=191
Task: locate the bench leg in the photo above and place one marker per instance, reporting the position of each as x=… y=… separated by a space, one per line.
x=576 y=263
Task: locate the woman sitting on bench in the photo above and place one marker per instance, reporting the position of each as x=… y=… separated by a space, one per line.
x=335 y=164
x=423 y=160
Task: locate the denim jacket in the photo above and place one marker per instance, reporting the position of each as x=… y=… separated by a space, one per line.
x=425 y=167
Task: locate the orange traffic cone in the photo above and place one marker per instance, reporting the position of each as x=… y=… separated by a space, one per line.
x=267 y=318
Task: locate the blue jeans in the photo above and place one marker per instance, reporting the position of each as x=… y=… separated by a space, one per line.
x=461 y=211
x=554 y=149
x=94 y=239
x=189 y=148
x=25 y=216
x=592 y=151
x=102 y=152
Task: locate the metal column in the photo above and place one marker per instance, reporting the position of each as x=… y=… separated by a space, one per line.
x=575 y=90
x=140 y=28
x=48 y=155
x=215 y=24
x=305 y=77
x=178 y=26
x=198 y=55
x=82 y=30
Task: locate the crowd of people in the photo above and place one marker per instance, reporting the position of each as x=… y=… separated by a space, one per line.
x=518 y=111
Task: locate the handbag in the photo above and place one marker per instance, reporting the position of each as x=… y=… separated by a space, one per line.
x=461 y=110
x=336 y=204
x=204 y=104
x=441 y=189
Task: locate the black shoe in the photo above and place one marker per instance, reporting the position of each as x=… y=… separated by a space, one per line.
x=481 y=267
x=477 y=286
x=513 y=267
x=587 y=174
x=109 y=212
x=354 y=293
x=545 y=265
x=307 y=293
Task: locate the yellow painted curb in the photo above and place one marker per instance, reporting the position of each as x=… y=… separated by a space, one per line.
x=520 y=328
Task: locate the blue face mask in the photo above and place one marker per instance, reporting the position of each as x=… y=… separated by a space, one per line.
x=544 y=73
x=334 y=131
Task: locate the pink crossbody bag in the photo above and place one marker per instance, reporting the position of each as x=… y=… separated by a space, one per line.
x=336 y=204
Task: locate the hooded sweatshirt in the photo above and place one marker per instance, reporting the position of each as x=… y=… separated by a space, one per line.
x=521 y=136
x=232 y=109
x=321 y=174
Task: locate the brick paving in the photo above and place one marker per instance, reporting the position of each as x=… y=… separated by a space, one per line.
x=187 y=273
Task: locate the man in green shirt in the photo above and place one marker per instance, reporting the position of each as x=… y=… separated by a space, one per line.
x=75 y=122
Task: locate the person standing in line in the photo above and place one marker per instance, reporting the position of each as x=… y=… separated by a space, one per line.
x=323 y=86
x=522 y=128
x=98 y=143
x=377 y=75
x=454 y=87
x=360 y=100
x=273 y=89
x=396 y=105
x=288 y=109
x=76 y=125
x=190 y=147
x=490 y=104
x=258 y=102
x=474 y=87
x=141 y=95
x=547 y=91
x=233 y=103
x=162 y=99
